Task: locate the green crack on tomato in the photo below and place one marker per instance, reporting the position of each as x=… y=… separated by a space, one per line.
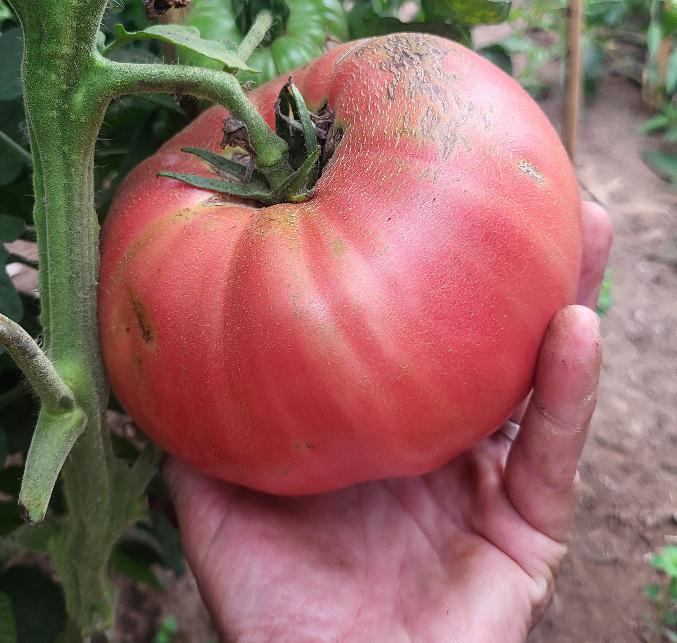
x=376 y=330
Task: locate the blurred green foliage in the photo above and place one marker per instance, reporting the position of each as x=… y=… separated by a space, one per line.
x=663 y=594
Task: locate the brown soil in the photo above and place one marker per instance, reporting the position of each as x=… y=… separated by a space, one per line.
x=628 y=505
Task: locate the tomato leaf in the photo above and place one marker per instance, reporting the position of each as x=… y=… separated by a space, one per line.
x=11 y=50
x=663 y=163
x=7 y=624
x=221 y=164
x=364 y=27
x=294 y=125
x=252 y=190
x=297 y=187
x=187 y=38
x=10 y=228
x=132 y=567
x=31 y=593
x=467 y=12
x=671 y=73
x=498 y=55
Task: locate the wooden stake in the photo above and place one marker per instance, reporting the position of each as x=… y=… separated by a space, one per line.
x=572 y=96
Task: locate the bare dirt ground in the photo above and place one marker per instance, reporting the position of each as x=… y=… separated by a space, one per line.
x=628 y=505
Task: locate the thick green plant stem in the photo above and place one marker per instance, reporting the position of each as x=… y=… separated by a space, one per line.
x=64 y=118
x=67 y=88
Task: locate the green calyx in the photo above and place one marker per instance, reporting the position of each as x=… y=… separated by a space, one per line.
x=290 y=181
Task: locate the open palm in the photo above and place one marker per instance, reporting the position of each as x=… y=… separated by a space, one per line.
x=466 y=553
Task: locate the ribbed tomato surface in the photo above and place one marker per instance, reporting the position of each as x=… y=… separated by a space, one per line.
x=379 y=328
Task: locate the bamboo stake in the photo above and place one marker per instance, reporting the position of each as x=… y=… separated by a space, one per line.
x=572 y=96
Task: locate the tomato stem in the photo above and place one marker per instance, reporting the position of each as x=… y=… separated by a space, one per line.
x=36 y=366
x=117 y=79
x=255 y=36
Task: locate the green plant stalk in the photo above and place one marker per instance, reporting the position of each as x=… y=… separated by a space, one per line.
x=222 y=88
x=255 y=36
x=64 y=119
x=67 y=88
x=36 y=366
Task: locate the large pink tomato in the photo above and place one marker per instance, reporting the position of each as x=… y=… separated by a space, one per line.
x=376 y=330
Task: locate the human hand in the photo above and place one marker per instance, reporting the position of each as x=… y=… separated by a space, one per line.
x=466 y=553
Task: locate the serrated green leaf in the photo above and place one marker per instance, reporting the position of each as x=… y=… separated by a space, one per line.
x=7 y=624
x=187 y=38
x=663 y=163
x=10 y=228
x=10 y=301
x=11 y=50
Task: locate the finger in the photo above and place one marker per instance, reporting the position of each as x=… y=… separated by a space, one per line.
x=519 y=411
x=597 y=237
x=541 y=467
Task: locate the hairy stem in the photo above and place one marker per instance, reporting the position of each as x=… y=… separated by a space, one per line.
x=54 y=394
x=222 y=88
x=255 y=36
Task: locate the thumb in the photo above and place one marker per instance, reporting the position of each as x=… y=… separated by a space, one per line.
x=540 y=473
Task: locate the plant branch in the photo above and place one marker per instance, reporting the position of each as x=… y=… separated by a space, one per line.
x=255 y=36
x=55 y=395
x=118 y=79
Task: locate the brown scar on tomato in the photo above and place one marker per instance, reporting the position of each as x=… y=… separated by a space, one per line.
x=531 y=171
x=301 y=445
x=141 y=318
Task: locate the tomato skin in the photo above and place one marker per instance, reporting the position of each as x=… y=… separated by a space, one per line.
x=378 y=329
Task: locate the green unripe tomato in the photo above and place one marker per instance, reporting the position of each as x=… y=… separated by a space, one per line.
x=296 y=39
